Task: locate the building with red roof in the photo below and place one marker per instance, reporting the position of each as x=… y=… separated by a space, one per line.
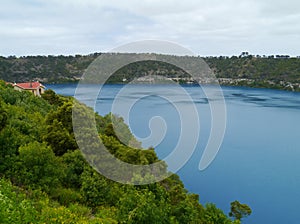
x=35 y=87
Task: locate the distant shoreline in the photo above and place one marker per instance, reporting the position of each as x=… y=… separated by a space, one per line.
x=265 y=84
x=274 y=71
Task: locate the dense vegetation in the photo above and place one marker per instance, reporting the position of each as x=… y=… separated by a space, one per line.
x=260 y=71
x=45 y=179
x=256 y=67
x=44 y=68
x=280 y=72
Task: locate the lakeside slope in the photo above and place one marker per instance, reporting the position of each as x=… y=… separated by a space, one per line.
x=280 y=72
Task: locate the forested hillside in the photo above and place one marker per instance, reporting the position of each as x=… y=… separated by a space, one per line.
x=44 y=68
x=255 y=67
x=45 y=179
x=53 y=69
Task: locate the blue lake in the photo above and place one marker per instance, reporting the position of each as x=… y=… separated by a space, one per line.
x=259 y=159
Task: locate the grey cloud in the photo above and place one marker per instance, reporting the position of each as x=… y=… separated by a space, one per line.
x=207 y=26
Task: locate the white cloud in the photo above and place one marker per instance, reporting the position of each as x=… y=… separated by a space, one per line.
x=206 y=26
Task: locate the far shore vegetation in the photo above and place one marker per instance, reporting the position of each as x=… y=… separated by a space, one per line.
x=262 y=71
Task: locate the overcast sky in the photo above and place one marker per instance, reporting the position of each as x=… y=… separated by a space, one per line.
x=206 y=27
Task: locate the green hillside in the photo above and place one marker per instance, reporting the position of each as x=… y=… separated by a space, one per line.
x=45 y=179
x=280 y=72
x=44 y=68
x=68 y=68
x=259 y=71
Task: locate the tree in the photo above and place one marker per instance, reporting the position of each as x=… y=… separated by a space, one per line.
x=39 y=167
x=75 y=164
x=50 y=96
x=95 y=188
x=239 y=211
x=3 y=116
x=215 y=215
x=142 y=207
x=59 y=138
x=60 y=134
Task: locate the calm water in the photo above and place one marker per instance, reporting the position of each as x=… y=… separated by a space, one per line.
x=259 y=160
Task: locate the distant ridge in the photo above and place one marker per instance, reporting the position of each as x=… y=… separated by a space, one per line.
x=275 y=71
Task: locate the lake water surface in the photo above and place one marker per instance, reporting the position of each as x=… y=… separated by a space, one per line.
x=259 y=159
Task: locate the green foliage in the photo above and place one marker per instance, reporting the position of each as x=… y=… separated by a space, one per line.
x=40 y=167
x=128 y=154
x=145 y=68
x=66 y=196
x=60 y=134
x=3 y=116
x=59 y=138
x=14 y=206
x=278 y=72
x=271 y=68
x=62 y=114
x=75 y=164
x=51 y=68
x=116 y=127
x=94 y=188
x=50 y=96
x=10 y=140
x=60 y=69
x=238 y=210
x=142 y=207
x=214 y=215
x=23 y=122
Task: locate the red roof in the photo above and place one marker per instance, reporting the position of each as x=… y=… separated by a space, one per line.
x=29 y=85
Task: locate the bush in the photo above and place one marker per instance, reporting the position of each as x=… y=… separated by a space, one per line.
x=39 y=167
